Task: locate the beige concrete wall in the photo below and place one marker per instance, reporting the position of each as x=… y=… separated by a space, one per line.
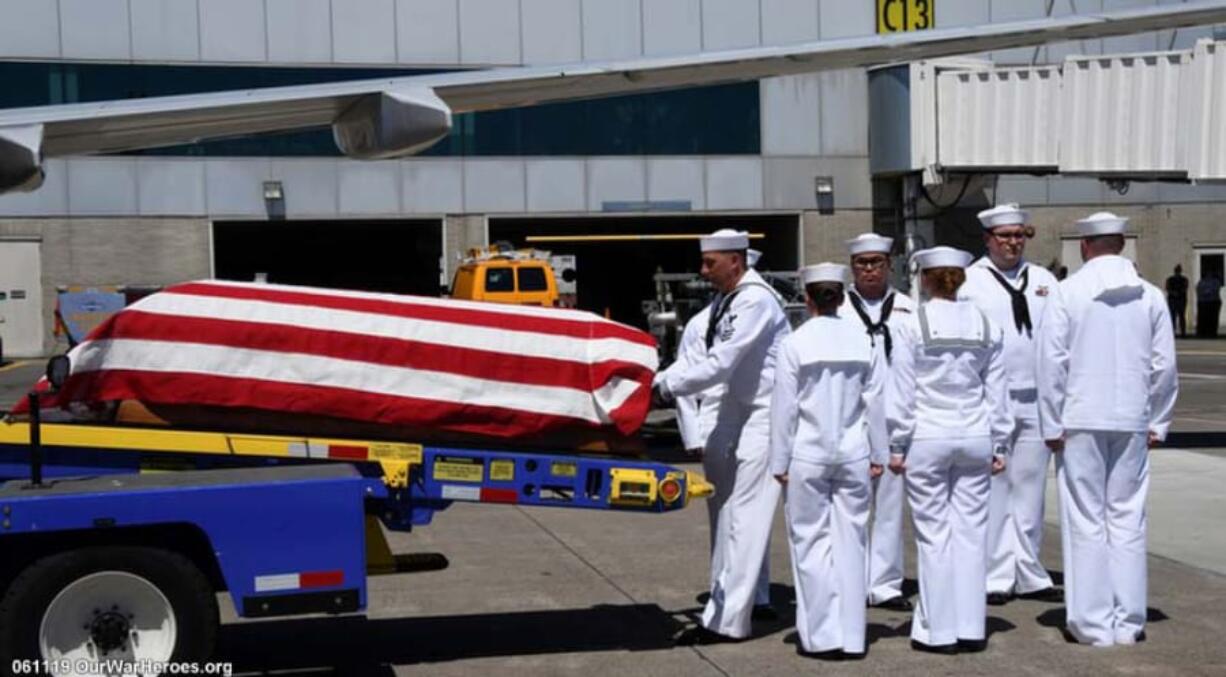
x=463 y=232
x=124 y=251
x=1166 y=234
x=825 y=236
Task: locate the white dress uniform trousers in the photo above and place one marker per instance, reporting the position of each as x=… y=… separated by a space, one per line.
x=948 y=413
x=1015 y=516
x=696 y=415
x=1107 y=379
x=749 y=325
x=885 y=546
x=827 y=421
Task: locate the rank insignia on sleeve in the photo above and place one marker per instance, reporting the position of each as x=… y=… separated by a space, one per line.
x=1041 y=291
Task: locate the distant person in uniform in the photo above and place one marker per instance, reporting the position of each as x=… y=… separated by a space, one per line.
x=1177 y=301
x=1107 y=388
x=1208 y=305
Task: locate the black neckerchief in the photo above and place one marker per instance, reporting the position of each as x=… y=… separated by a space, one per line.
x=880 y=327
x=717 y=313
x=1021 y=310
x=722 y=306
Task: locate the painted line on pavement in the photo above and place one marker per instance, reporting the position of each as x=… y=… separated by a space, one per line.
x=14 y=365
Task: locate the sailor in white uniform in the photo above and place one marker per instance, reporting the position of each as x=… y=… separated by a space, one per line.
x=696 y=415
x=1107 y=388
x=1013 y=294
x=827 y=436
x=742 y=341
x=879 y=308
x=950 y=423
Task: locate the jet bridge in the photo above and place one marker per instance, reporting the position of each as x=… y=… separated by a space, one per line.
x=1149 y=116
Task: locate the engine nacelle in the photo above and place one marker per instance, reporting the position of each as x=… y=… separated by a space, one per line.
x=21 y=160
x=392 y=124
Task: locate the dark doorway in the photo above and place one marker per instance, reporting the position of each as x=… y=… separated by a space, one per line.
x=397 y=256
x=614 y=277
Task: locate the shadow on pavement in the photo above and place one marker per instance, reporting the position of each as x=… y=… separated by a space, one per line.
x=357 y=645
x=1055 y=618
x=1196 y=440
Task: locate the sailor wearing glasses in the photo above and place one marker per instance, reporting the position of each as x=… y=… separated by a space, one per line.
x=1014 y=294
x=879 y=307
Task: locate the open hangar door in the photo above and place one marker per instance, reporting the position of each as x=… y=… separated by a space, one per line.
x=398 y=256
x=616 y=256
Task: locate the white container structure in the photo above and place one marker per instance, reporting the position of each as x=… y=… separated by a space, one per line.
x=999 y=119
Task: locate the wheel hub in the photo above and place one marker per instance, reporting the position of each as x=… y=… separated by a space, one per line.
x=110 y=630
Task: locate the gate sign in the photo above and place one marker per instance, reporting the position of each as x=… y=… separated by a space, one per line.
x=898 y=16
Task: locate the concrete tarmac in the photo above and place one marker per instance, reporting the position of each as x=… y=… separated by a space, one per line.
x=538 y=591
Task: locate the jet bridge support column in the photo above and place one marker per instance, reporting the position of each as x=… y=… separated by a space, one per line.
x=918 y=233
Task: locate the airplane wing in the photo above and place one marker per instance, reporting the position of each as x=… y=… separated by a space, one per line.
x=391 y=117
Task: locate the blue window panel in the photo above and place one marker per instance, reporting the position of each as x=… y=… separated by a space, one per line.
x=719 y=120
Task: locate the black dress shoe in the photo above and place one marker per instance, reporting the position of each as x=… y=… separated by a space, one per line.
x=1045 y=595
x=998 y=598
x=944 y=649
x=898 y=603
x=701 y=636
x=972 y=645
x=764 y=612
x=831 y=655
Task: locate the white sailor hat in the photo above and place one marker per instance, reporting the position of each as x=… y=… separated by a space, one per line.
x=941 y=257
x=725 y=240
x=1004 y=215
x=752 y=256
x=824 y=272
x=1101 y=223
x=869 y=243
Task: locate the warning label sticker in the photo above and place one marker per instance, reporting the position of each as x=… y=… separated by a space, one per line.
x=392 y=451
x=458 y=469
x=564 y=469
x=502 y=470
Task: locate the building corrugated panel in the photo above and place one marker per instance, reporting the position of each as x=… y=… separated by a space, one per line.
x=1121 y=114
x=1204 y=106
x=999 y=118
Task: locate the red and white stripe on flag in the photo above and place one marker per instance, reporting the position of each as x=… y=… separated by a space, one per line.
x=443 y=364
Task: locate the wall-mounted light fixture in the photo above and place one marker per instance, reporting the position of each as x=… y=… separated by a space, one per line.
x=823 y=188
x=274 y=199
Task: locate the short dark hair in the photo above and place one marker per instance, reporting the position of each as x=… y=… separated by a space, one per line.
x=1111 y=242
x=825 y=294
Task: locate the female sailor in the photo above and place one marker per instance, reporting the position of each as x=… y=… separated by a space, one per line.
x=827 y=420
x=949 y=424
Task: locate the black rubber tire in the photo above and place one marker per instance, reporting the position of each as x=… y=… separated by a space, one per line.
x=185 y=587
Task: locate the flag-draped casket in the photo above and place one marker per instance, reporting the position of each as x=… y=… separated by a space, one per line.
x=283 y=353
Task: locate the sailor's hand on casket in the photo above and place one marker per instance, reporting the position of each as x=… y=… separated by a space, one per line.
x=660 y=397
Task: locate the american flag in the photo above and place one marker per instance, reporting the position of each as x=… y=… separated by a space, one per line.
x=460 y=366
